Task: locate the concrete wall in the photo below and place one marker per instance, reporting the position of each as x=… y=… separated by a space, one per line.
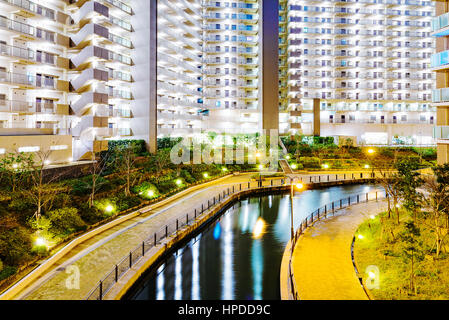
x=13 y=143
x=144 y=106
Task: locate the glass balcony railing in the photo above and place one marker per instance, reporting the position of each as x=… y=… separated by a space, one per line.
x=441 y=132
x=440 y=22
x=439 y=59
x=440 y=95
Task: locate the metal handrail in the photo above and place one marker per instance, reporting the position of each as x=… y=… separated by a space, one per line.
x=323 y=213
x=172 y=228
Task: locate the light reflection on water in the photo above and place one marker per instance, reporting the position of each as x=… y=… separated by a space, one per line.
x=226 y=262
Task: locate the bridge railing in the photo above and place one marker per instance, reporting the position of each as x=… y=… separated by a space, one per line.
x=174 y=226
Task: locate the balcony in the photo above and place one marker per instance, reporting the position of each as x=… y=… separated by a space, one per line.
x=16 y=52
x=30 y=6
x=440 y=60
x=17 y=26
x=440 y=24
x=18 y=79
x=440 y=95
x=441 y=132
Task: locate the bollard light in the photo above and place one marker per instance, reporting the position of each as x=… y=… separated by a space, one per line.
x=179 y=182
x=150 y=193
x=109 y=208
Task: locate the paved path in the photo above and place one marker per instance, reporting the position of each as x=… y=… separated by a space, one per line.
x=96 y=256
x=322 y=264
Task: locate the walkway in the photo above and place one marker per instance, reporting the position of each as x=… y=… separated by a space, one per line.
x=96 y=256
x=322 y=264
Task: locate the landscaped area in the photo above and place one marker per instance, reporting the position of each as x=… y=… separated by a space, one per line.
x=40 y=211
x=318 y=153
x=408 y=243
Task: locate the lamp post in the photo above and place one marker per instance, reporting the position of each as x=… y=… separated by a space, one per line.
x=300 y=187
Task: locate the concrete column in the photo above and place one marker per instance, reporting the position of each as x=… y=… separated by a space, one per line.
x=144 y=107
x=316 y=117
x=269 y=36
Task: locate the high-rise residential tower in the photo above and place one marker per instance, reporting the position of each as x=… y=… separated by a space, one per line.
x=360 y=69
x=440 y=64
x=76 y=74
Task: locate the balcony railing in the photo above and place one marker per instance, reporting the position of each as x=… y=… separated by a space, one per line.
x=32 y=7
x=440 y=22
x=439 y=59
x=16 y=78
x=441 y=132
x=16 y=26
x=440 y=95
x=17 y=52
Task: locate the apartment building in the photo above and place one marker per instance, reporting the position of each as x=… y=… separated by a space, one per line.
x=361 y=67
x=76 y=74
x=440 y=64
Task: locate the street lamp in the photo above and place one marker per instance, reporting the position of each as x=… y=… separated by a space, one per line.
x=300 y=187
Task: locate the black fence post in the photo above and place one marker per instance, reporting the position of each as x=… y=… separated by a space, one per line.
x=344 y=176
x=101 y=290
x=202 y=208
x=143 y=248
x=349 y=201
x=130 y=260
x=325 y=211
x=195 y=214
x=116 y=273
x=333 y=208
x=328 y=178
x=187 y=218
x=176 y=225
x=358 y=199
x=376 y=195
x=336 y=177
x=366 y=197
x=341 y=202
x=166 y=231
x=310 y=179
x=155 y=239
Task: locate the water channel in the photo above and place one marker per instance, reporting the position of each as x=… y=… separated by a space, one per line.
x=237 y=257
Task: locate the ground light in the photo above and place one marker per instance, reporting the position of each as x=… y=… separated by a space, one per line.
x=109 y=208
x=366 y=166
x=224 y=169
x=150 y=193
x=15 y=165
x=40 y=242
x=287 y=157
x=261 y=166
x=259 y=228
x=294 y=166
x=258 y=155
x=371 y=151
x=325 y=166
x=372 y=217
x=360 y=237
x=371 y=275
x=206 y=175
x=179 y=182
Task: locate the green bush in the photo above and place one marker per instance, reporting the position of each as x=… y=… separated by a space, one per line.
x=66 y=220
x=166 y=186
x=143 y=188
x=310 y=162
x=15 y=246
x=23 y=207
x=7 y=272
x=127 y=202
x=187 y=176
x=1 y=265
x=90 y=215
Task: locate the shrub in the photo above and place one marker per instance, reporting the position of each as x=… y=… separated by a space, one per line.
x=1 y=265
x=91 y=215
x=142 y=189
x=310 y=162
x=166 y=186
x=7 y=272
x=23 y=207
x=66 y=220
x=126 y=202
x=15 y=245
x=187 y=176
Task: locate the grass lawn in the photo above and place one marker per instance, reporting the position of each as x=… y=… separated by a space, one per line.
x=383 y=247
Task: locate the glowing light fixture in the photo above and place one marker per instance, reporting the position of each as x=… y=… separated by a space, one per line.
x=325 y=166
x=360 y=237
x=366 y=166
x=150 y=193
x=371 y=151
x=109 y=208
x=205 y=175
x=40 y=242
x=179 y=182
x=294 y=166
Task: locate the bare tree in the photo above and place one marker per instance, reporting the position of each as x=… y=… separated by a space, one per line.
x=125 y=158
x=41 y=191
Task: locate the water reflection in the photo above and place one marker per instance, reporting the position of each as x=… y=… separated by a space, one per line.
x=226 y=261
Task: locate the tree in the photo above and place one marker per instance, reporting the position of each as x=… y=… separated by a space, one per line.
x=97 y=168
x=125 y=158
x=13 y=173
x=411 y=250
x=437 y=202
x=40 y=191
x=409 y=181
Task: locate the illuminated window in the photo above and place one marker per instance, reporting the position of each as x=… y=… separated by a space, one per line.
x=29 y=149
x=61 y=147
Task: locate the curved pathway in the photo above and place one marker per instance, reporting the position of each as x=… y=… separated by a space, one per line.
x=96 y=257
x=322 y=264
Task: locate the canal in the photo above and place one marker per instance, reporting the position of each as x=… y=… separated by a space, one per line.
x=237 y=257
